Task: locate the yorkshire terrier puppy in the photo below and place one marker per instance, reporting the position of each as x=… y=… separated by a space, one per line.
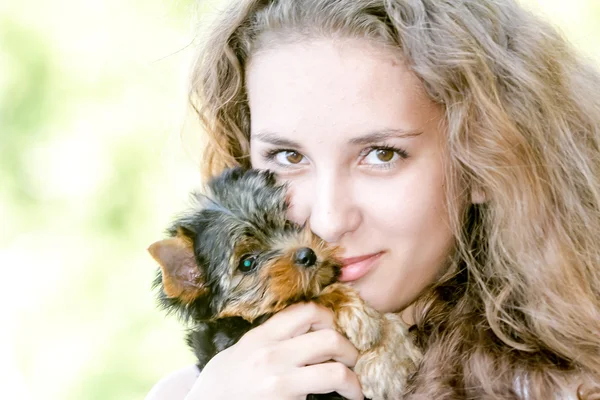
x=233 y=260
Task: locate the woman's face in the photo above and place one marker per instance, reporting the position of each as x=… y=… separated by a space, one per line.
x=352 y=131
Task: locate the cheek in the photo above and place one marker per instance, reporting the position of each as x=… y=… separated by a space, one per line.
x=413 y=204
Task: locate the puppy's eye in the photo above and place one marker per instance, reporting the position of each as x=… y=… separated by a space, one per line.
x=247 y=263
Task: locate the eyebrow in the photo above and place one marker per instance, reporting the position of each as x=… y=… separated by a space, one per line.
x=275 y=139
x=371 y=137
x=380 y=135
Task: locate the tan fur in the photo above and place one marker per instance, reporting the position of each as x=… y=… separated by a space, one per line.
x=387 y=354
x=278 y=284
x=181 y=278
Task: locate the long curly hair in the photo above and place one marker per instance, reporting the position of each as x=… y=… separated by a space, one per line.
x=517 y=313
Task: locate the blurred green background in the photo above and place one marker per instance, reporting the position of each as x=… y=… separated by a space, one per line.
x=92 y=167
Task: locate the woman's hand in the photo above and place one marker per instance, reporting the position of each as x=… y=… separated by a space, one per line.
x=284 y=358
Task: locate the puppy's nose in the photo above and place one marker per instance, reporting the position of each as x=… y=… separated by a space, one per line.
x=305 y=257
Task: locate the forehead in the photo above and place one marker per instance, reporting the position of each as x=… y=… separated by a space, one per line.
x=339 y=88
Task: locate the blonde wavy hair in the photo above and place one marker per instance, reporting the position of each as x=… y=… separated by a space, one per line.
x=517 y=314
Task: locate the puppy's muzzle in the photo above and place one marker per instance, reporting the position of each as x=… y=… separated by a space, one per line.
x=305 y=257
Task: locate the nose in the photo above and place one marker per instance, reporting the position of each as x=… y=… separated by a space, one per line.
x=333 y=210
x=305 y=257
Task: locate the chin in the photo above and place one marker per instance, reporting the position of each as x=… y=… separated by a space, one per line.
x=373 y=298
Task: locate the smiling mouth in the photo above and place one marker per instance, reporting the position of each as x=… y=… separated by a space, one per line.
x=354 y=268
x=353 y=260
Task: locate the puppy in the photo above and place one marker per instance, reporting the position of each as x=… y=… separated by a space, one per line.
x=233 y=259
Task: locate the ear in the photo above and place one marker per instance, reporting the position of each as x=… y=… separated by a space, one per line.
x=181 y=277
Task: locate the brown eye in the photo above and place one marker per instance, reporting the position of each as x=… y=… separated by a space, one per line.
x=286 y=158
x=293 y=157
x=384 y=155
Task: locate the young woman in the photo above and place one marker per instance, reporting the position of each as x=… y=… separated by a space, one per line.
x=452 y=147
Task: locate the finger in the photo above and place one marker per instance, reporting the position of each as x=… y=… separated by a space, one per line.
x=325 y=378
x=317 y=347
x=295 y=320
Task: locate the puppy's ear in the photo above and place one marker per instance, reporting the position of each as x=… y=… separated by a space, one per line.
x=181 y=277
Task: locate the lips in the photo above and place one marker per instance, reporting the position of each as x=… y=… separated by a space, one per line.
x=354 y=268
